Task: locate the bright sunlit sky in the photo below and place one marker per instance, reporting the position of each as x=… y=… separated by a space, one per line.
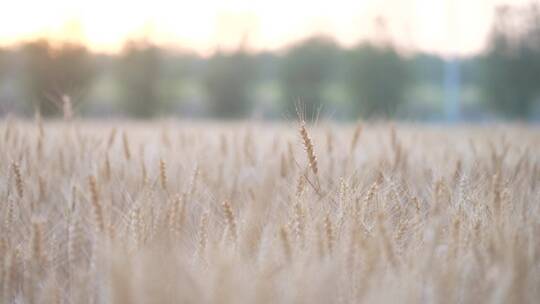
x=441 y=26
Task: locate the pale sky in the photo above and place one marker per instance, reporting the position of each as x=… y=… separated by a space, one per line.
x=441 y=26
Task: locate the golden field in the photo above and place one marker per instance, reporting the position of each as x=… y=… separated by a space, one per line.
x=248 y=212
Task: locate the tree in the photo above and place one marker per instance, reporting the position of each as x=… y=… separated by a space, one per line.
x=229 y=80
x=140 y=74
x=377 y=80
x=55 y=71
x=511 y=66
x=306 y=69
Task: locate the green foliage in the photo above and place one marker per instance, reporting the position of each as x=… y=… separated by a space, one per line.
x=306 y=70
x=371 y=80
x=511 y=66
x=377 y=79
x=52 y=71
x=140 y=73
x=428 y=68
x=229 y=80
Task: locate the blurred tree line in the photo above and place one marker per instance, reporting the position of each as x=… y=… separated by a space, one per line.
x=367 y=80
x=511 y=66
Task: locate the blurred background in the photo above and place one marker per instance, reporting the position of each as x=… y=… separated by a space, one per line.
x=425 y=60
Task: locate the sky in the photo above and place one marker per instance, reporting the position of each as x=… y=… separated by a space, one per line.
x=446 y=27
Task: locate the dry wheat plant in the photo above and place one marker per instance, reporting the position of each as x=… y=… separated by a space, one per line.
x=173 y=212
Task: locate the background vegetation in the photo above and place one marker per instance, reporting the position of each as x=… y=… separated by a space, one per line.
x=367 y=80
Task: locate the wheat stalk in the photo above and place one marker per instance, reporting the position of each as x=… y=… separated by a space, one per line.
x=163 y=174
x=19 y=186
x=229 y=217
x=284 y=237
x=308 y=146
x=125 y=141
x=356 y=137
x=96 y=204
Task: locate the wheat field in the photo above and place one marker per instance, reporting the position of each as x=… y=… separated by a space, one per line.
x=178 y=212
